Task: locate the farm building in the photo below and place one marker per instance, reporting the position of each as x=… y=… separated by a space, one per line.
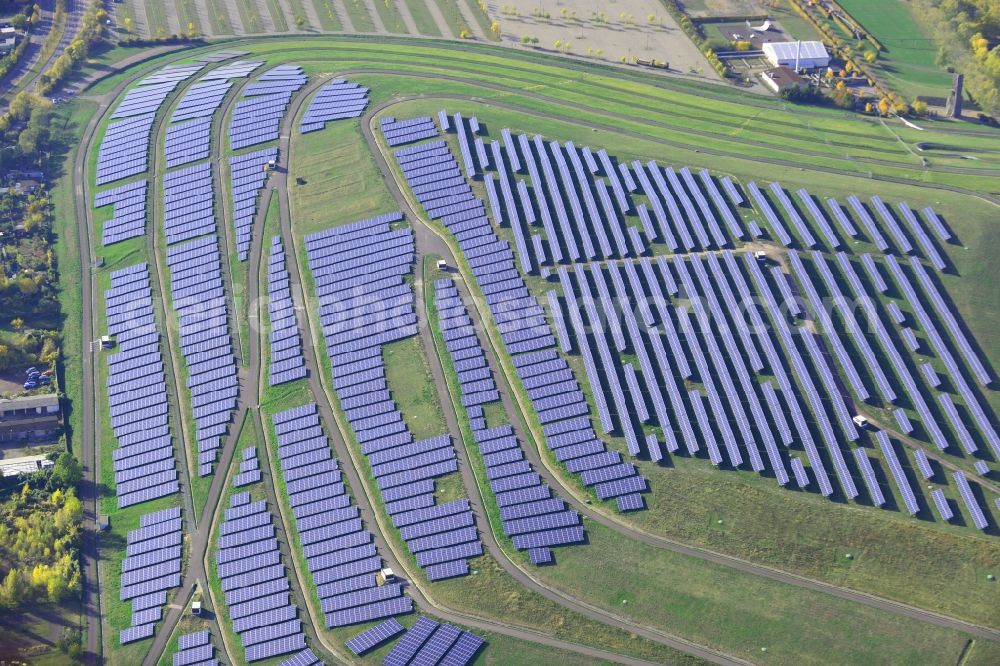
x=797 y=55
x=33 y=417
x=781 y=78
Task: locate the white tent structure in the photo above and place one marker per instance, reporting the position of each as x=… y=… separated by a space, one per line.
x=797 y=55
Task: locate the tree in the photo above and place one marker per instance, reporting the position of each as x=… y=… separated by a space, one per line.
x=871 y=56
x=12 y=590
x=919 y=107
x=66 y=473
x=495 y=28
x=884 y=106
x=17 y=323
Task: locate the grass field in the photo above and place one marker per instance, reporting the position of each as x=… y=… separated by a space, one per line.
x=157 y=18
x=218 y=17
x=358 y=191
x=277 y=16
x=453 y=17
x=907 y=59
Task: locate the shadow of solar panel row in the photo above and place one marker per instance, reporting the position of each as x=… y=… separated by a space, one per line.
x=129 y=217
x=427 y=642
x=337 y=100
x=187 y=141
x=249 y=175
x=339 y=552
x=188 y=201
x=287 y=362
x=143 y=462
x=357 y=322
x=519 y=318
x=400 y=132
x=148 y=574
x=199 y=300
x=257 y=599
x=234 y=70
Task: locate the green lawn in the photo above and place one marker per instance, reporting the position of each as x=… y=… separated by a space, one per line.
x=277 y=16
x=187 y=14
x=453 y=17
x=249 y=16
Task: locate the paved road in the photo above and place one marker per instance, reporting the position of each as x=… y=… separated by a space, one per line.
x=613 y=521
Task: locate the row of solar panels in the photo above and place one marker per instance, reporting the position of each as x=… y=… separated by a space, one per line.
x=257 y=117
x=430 y=642
x=199 y=299
x=129 y=217
x=358 y=318
x=400 y=132
x=901 y=242
x=287 y=361
x=151 y=566
x=336 y=100
x=340 y=553
x=137 y=395
x=249 y=175
x=254 y=580
x=195 y=649
x=188 y=203
x=523 y=330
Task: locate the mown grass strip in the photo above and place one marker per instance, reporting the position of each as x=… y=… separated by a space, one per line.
x=277 y=16
x=218 y=17
x=422 y=18
x=187 y=16
x=391 y=18
x=360 y=18
x=482 y=18
x=453 y=17
x=156 y=18
x=299 y=15
x=328 y=19
x=249 y=16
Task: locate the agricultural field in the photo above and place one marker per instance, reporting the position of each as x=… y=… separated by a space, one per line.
x=471 y=353
x=908 y=58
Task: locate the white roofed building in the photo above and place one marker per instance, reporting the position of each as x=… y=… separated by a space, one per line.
x=797 y=55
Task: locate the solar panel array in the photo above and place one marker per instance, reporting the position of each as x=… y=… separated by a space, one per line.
x=152 y=565
x=249 y=175
x=430 y=169
x=124 y=148
x=340 y=553
x=137 y=393
x=528 y=510
x=249 y=471
x=188 y=201
x=400 y=132
x=377 y=635
x=365 y=304
x=287 y=362
x=255 y=582
x=257 y=117
x=201 y=100
x=336 y=100
x=188 y=141
x=200 y=303
x=129 y=217
x=428 y=642
x=195 y=648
